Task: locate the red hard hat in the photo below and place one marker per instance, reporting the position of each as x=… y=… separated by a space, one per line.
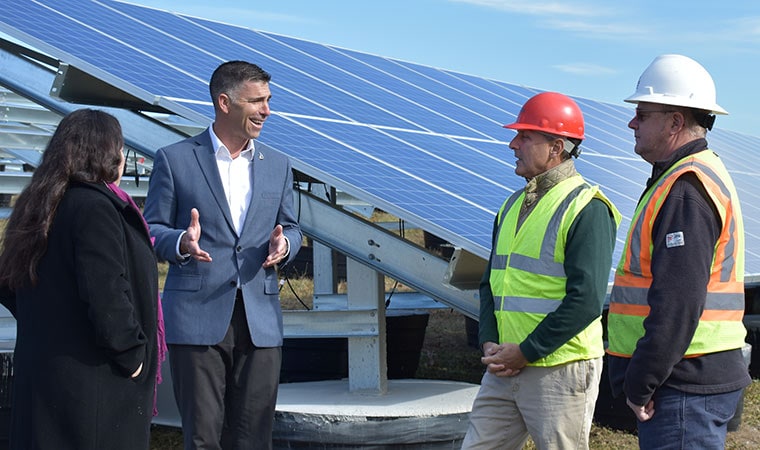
x=550 y=112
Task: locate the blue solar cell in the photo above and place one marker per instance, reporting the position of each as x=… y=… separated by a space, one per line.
x=316 y=81
x=387 y=169
x=189 y=34
x=488 y=94
x=423 y=143
x=88 y=39
x=441 y=108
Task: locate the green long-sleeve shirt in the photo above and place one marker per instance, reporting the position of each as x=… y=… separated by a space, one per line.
x=588 y=260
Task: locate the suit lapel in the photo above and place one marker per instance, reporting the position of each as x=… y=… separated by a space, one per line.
x=204 y=153
x=258 y=169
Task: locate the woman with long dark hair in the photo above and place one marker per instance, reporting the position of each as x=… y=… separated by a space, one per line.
x=78 y=271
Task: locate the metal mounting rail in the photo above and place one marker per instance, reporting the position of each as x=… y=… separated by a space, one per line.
x=383 y=251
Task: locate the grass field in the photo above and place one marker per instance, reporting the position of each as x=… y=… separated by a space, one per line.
x=447 y=356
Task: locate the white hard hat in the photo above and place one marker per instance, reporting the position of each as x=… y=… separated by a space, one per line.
x=677 y=80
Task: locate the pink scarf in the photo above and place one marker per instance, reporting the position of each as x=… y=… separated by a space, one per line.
x=161 y=335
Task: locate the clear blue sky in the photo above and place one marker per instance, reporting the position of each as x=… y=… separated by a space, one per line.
x=590 y=48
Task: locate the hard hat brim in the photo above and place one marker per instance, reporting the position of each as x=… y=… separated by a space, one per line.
x=674 y=101
x=525 y=126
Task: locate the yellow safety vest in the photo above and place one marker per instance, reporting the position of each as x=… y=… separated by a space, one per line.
x=720 y=326
x=527 y=275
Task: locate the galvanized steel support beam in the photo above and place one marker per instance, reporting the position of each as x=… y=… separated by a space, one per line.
x=384 y=251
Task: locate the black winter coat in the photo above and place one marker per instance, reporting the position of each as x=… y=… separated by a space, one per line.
x=84 y=328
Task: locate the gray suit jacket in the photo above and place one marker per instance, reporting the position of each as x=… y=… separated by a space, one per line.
x=198 y=297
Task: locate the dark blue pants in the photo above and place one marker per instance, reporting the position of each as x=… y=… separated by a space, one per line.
x=688 y=421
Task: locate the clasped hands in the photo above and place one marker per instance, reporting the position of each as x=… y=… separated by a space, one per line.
x=503 y=360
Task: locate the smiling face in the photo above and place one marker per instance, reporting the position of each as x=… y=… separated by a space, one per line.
x=535 y=152
x=241 y=114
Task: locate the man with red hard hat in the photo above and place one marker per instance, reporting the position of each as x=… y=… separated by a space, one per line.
x=675 y=318
x=543 y=291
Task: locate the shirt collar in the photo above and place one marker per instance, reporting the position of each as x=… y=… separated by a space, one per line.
x=659 y=167
x=217 y=144
x=543 y=182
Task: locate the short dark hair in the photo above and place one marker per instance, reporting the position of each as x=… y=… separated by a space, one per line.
x=229 y=76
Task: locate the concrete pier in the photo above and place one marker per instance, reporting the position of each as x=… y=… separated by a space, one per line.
x=413 y=414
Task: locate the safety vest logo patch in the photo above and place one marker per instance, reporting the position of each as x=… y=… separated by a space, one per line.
x=674 y=239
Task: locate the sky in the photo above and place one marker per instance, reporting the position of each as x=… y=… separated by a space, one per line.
x=593 y=49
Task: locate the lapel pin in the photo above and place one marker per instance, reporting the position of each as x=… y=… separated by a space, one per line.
x=261 y=155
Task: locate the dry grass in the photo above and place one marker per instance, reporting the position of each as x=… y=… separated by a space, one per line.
x=446 y=355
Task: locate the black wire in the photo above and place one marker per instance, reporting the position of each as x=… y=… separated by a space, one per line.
x=393 y=290
x=286 y=268
x=286 y=280
x=305 y=306
x=401 y=233
x=137 y=174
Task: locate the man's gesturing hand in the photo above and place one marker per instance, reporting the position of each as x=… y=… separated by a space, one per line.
x=189 y=242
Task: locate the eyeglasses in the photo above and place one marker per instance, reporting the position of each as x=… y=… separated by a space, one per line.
x=642 y=114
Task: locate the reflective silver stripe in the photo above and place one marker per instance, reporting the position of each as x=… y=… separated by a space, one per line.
x=728 y=263
x=629 y=295
x=539 y=266
x=525 y=305
x=635 y=243
x=497 y=300
x=508 y=204
x=505 y=209
x=714 y=300
x=498 y=262
x=545 y=264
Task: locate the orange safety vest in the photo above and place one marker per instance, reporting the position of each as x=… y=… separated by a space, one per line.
x=720 y=326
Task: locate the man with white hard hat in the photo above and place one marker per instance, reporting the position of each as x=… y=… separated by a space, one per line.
x=675 y=318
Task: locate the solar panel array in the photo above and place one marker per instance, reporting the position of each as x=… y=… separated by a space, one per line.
x=423 y=143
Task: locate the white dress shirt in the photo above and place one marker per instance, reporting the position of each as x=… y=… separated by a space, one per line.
x=236 y=178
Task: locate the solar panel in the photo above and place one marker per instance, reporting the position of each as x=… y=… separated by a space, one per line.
x=423 y=143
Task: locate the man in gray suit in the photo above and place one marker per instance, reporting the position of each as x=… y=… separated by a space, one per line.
x=220 y=207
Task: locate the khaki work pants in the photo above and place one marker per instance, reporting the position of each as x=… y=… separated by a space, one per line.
x=554 y=405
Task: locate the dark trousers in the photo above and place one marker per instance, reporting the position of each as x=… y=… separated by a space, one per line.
x=683 y=420
x=226 y=393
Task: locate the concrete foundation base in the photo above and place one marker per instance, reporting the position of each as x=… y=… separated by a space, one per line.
x=413 y=414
